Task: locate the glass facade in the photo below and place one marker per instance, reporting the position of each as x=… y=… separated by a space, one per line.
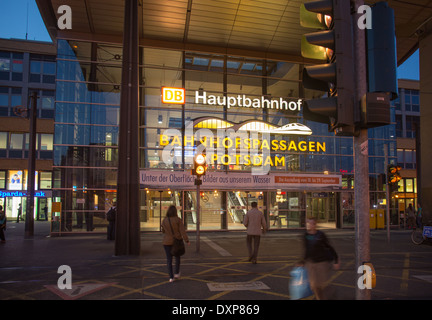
x=86 y=138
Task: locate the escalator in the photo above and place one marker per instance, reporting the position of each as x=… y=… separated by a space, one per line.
x=235 y=201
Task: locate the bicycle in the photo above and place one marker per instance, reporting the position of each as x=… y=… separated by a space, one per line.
x=419 y=235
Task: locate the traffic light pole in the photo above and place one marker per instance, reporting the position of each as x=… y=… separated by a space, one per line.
x=387 y=193
x=198 y=209
x=361 y=175
x=29 y=219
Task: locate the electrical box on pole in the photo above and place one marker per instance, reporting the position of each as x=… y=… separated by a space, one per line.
x=381 y=68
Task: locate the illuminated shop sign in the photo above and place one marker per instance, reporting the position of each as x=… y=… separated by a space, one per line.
x=223 y=180
x=40 y=194
x=173 y=95
x=245 y=102
x=178 y=96
x=251 y=143
x=248 y=157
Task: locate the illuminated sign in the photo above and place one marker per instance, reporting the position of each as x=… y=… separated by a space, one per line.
x=242 y=180
x=178 y=96
x=250 y=143
x=245 y=102
x=4 y=194
x=173 y=95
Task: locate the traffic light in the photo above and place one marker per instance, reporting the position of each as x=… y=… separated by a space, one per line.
x=393 y=174
x=199 y=166
x=332 y=44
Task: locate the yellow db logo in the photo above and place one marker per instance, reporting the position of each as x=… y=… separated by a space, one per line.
x=173 y=95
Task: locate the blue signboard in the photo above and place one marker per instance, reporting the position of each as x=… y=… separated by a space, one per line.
x=8 y=193
x=427 y=232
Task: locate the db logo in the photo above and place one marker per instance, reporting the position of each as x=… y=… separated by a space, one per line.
x=173 y=95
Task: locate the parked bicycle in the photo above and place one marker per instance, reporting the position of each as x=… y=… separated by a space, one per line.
x=419 y=235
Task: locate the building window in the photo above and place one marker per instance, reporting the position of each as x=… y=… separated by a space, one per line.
x=11 y=66
x=45 y=180
x=42 y=68
x=10 y=97
x=2 y=179
x=412 y=100
x=412 y=123
x=406 y=158
x=399 y=127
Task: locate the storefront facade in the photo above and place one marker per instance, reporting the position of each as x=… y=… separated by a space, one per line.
x=26 y=67
x=244 y=113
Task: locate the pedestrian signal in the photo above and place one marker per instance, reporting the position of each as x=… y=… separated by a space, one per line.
x=200 y=166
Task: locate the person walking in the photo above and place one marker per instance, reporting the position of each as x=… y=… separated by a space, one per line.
x=318 y=258
x=111 y=217
x=256 y=225
x=172 y=227
x=419 y=217
x=409 y=213
x=3 y=221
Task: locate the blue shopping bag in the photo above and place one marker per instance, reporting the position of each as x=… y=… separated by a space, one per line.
x=299 y=287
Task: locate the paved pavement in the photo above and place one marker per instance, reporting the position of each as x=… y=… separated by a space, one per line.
x=219 y=272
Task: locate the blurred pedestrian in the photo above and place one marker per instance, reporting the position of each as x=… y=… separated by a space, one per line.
x=111 y=217
x=419 y=217
x=409 y=213
x=256 y=225
x=318 y=258
x=3 y=221
x=46 y=212
x=172 y=227
x=19 y=213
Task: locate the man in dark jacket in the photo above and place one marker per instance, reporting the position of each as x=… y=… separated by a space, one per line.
x=111 y=217
x=318 y=258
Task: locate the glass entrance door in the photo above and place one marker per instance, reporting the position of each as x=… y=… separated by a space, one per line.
x=212 y=213
x=322 y=206
x=238 y=204
x=154 y=206
x=286 y=209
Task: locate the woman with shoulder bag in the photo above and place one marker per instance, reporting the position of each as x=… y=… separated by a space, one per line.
x=173 y=229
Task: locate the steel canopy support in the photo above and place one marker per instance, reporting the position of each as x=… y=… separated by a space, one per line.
x=127 y=240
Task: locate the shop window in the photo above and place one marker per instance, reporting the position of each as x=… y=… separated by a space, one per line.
x=16 y=179
x=409 y=185
x=401 y=185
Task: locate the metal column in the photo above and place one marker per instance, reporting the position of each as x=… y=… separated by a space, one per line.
x=127 y=222
x=29 y=219
x=361 y=177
